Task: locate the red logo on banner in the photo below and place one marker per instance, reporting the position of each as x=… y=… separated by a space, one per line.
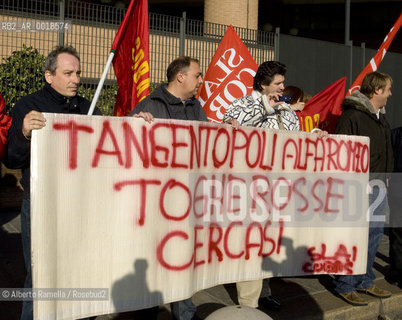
x=229 y=76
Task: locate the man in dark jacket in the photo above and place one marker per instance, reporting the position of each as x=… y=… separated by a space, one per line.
x=363 y=115
x=175 y=100
x=62 y=73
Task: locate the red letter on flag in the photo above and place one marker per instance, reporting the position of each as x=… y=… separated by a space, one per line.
x=131 y=62
x=229 y=76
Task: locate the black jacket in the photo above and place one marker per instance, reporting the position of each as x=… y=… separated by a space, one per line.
x=44 y=100
x=162 y=104
x=395 y=190
x=396 y=138
x=359 y=118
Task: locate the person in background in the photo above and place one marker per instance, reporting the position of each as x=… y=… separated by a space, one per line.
x=363 y=115
x=298 y=97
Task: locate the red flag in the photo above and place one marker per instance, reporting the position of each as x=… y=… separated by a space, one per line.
x=131 y=62
x=229 y=76
x=5 y=123
x=323 y=110
x=376 y=60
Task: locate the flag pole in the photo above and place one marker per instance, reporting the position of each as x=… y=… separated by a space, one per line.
x=378 y=57
x=100 y=84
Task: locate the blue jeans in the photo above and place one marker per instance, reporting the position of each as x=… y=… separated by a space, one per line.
x=183 y=310
x=349 y=283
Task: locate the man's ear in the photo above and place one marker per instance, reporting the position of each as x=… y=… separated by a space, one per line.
x=377 y=91
x=48 y=77
x=180 y=76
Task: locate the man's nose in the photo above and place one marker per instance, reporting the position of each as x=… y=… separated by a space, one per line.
x=76 y=78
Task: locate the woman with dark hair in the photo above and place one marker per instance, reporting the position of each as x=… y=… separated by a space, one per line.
x=298 y=97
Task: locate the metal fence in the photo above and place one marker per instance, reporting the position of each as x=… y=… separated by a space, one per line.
x=90 y=28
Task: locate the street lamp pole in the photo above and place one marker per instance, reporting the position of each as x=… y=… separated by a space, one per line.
x=347 y=22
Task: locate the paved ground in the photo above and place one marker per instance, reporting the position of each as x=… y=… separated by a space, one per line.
x=301 y=297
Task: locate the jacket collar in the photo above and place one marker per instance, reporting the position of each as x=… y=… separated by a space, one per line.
x=162 y=93
x=361 y=102
x=58 y=97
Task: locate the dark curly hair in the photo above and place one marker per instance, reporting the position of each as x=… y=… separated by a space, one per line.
x=266 y=73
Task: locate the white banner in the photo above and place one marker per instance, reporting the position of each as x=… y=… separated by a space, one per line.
x=152 y=213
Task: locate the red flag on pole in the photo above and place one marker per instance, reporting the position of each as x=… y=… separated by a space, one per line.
x=229 y=76
x=376 y=60
x=323 y=110
x=5 y=123
x=131 y=61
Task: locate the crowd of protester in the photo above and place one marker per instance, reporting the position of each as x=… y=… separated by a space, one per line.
x=363 y=115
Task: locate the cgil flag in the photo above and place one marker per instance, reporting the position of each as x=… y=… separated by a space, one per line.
x=229 y=76
x=5 y=123
x=376 y=60
x=323 y=110
x=131 y=60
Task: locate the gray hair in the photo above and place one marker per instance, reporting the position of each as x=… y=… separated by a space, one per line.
x=51 y=60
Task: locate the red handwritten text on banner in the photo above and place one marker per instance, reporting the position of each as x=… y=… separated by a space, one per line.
x=194 y=202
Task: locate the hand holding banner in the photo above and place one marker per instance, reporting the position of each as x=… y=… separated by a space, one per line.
x=253 y=203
